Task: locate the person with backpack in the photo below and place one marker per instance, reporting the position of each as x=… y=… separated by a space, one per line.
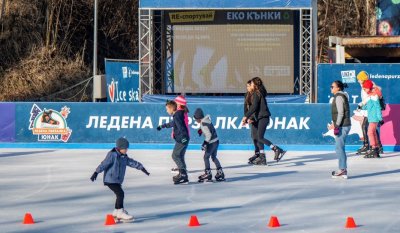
x=373 y=107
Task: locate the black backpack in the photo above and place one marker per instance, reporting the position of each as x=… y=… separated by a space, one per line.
x=382 y=103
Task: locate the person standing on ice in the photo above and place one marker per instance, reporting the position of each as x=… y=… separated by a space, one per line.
x=251 y=122
x=341 y=124
x=361 y=78
x=259 y=108
x=372 y=104
x=209 y=146
x=181 y=136
x=114 y=166
x=181 y=103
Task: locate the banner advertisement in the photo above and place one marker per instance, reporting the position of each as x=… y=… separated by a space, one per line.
x=122 y=80
x=386 y=76
x=290 y=124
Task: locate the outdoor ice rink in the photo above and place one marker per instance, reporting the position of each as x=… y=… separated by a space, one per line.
x=54 y=186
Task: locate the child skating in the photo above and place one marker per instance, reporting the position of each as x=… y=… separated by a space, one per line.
x=209 y=146
x=114 y=166
x=181 y=136
x=181 y=104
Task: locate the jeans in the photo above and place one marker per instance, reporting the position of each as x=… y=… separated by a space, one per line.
x=340 y=146
x=119 y=193
x=211 y=152
x=178 y=155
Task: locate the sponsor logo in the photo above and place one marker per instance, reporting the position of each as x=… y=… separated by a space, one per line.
x=50 y=125
x=348 y=76
x=192 y=16
x=129 y=73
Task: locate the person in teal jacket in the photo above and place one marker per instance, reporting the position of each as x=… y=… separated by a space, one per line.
x=373 y=107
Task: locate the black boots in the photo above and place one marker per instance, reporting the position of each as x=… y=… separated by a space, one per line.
x=254 y=157
x=260 y=160
x=181 y=178
x=279 y=153
x=373 y=153
x=206 y=177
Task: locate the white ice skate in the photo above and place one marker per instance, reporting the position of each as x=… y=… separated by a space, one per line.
x=122 y=215
x=115 y=213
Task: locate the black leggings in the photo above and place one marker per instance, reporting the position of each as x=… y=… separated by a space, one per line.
x=119 y=193
x=254 y=136
x=261 y=128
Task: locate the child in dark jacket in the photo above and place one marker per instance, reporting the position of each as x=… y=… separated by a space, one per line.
x=114 y=166
x=181 y=136
x=209 y=146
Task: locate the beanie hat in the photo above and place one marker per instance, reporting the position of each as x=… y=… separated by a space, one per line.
x=362 y=76
x=368 y=84
x=122 y=143
x=180 y=100
x=198 y=114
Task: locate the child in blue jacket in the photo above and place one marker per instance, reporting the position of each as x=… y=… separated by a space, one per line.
x=114 y=166
x=181 y=136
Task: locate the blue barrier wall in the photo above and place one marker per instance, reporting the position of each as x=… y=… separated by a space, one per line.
x=72 y=123
x=104 y=122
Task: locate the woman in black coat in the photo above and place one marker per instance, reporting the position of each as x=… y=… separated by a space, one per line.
x=259 y=108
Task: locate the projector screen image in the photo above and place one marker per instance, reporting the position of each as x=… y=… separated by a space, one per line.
x=221 y=58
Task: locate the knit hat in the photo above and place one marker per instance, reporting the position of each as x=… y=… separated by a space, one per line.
x=180 y=100
x=198 y=114
x=122 y=143
x=362 y=76
x=368 y=84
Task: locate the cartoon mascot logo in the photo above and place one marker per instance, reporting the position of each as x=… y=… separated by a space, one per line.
x=49 y=124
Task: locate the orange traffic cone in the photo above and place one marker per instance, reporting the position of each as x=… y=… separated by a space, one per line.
x=274 y=222
x=109 y=220
x=28 y=219
x=350 y=223
x=194 y=222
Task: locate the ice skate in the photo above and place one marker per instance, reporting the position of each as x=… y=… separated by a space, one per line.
x=279 y=153
x=206 y=177
x=115 y=214
x=381 y=150
x=254 y=157
x=220 y=176
x=261 y=160
x=363 y=150
x=123 y=216
x=373 y=153
x=342 y=173
x=181 y=178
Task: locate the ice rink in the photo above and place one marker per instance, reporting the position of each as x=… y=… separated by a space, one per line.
x=54 y=186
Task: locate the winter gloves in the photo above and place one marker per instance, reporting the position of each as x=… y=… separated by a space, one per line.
x=145 y=171
x=200 y=132
x=159 y=127
x=94 y=176
x=204 y=146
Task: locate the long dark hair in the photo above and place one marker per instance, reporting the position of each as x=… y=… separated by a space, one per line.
x=248 y=95
x=260 y=88
x=340 y=85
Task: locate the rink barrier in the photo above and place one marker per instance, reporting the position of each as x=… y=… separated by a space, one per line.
x=97 y=125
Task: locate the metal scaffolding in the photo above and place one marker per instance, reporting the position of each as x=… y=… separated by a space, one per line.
x=156 y=53
x=306 y=62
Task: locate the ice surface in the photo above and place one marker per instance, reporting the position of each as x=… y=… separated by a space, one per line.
x=54 y=186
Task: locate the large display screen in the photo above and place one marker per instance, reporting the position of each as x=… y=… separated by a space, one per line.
x=220 y=58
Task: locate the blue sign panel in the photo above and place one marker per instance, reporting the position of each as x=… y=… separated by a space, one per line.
x=122 y=81
x=387 y=76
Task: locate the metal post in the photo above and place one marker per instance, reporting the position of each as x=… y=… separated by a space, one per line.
x=95 y=44
x=95 y=39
